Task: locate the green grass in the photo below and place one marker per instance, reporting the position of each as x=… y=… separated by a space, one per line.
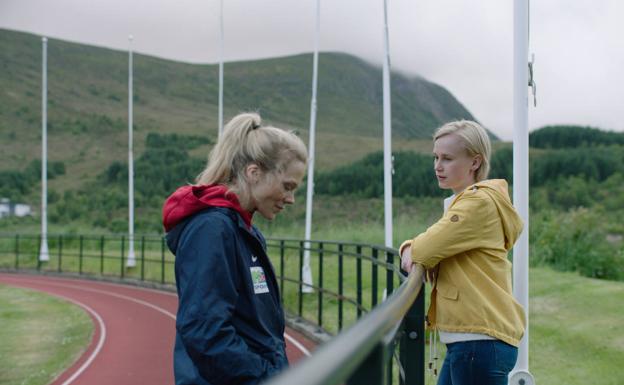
x=577 y=329
x=41 y=336
x=575 y=322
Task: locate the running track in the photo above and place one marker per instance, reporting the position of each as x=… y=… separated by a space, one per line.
x=134 y=331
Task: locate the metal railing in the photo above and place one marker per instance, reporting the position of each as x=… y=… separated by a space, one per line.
x=363 y=353
x=348 y=280
x=347 y=285
x=90 y=255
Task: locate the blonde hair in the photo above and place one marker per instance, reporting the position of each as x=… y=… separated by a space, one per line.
x=245 y=141
x=476 y=142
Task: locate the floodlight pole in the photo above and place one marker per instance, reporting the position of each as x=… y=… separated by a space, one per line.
x=520 y=374
x=306 y=271
x=43 y=251
x=131 y=262
x=221 y=33
x=387 y=134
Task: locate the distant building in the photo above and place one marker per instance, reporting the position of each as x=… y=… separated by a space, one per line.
x=8 y=209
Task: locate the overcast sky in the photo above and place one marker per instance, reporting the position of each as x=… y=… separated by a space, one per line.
x=463 y=45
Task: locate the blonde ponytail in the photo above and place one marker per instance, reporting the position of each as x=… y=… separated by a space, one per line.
x=245 y=141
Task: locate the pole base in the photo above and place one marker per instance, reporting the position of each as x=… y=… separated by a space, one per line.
x=44 y=255
x=307 y=280
x=521 y=377
x=131 y=261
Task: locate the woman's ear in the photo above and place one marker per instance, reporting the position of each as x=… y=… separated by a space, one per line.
x=476 y=162
x=252 y=173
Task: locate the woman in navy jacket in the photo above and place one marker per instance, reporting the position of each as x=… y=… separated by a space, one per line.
x=230 y=324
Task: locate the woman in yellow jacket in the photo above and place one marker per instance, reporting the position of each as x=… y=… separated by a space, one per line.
x=465 y=254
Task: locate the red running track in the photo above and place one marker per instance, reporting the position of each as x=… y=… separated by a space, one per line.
x=134 y=331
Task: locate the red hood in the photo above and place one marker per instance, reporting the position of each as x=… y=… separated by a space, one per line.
x=188 y=200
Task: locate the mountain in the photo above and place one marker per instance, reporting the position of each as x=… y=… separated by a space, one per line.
x=87 y=104
x=93 y=80
x=88 y=92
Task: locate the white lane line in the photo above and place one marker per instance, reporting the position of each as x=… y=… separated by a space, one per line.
x=100 y=343
x=290 y=338
x=141 y=302
x=123 y=285
x=297 y=344
x=86 y=364
x=107 y=283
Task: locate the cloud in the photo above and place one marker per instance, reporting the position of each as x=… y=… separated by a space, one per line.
x=466 y=46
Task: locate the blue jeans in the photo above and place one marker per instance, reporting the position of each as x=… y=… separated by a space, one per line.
x=482 y=362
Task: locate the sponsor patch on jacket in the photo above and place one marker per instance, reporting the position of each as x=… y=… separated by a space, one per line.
x=259 y=280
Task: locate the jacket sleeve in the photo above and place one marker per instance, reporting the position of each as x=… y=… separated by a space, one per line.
x=460 y=229
x=206 y=267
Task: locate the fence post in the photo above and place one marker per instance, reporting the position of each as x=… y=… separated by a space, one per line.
x=162 y=260
x=143 y=258
x=412 y=348
x=282 y=270
x=80 y=256
x=60 y=254
x=320 y=285
x=389 y=274
x=340 y=282
x=102 y=255
x=39 y=248
x=372 y=370
x=301 y=246
x=358 y=272
x=374 y=278
x=16 y=251
x=123 y=245
x=389 y=290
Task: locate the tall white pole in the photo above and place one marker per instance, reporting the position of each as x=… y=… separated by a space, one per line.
x=520 y=374
x=221 y=67
x=307 y=272
x=131 y=262
x=387 y=134
x=43 y=252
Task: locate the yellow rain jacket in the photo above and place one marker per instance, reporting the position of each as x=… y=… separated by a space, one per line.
x=472 y=292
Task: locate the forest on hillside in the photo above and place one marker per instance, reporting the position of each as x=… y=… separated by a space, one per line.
x=577 y=194
x=576 y=202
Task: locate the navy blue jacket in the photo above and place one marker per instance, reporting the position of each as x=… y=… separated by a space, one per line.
x=230 y=323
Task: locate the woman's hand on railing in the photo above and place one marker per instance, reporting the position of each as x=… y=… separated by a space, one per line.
x=406 y=259
x=407 y=265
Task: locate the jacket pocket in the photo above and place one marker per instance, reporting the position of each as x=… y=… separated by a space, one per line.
x=448 y=292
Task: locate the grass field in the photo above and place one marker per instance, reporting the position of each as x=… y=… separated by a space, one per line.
x=41 y=335
x=576 y=330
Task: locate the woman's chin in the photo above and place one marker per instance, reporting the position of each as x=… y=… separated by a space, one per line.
x=268 y=216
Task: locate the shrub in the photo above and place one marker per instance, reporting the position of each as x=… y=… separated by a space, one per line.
x=572 y=136
x=575 y=241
